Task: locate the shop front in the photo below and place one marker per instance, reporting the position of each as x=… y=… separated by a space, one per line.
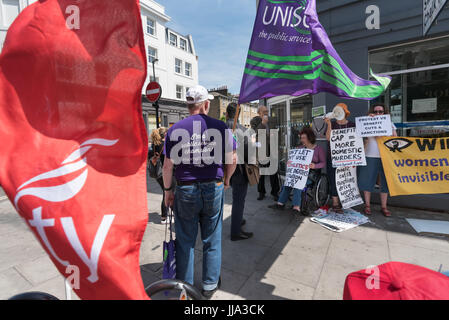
x=289 y=115
x=170 y=112
x=418 y=64
x=418 y=96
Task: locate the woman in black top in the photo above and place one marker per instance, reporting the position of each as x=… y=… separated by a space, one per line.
x=155 y=154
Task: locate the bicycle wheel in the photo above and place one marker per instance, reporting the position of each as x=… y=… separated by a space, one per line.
x=170 y=289
x=34 y=296
x=322 y=191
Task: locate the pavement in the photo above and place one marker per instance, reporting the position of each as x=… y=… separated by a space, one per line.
x=289 y=257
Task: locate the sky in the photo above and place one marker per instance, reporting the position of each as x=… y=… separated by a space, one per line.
x=221 y=31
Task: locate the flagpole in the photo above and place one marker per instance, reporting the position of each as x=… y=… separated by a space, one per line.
x=236 y=117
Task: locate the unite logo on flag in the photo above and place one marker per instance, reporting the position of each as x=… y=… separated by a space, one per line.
x=73 y=164
x=73 y=145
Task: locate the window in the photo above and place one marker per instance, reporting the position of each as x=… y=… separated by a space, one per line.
x=10 y=10
x=179 y=90
x=418 y=96
x=187 y=90
x=178 y=66
x=173 y=40
x=410 y=56
x=183 y=44
x=188 y=69
x=152 y=54
x=151 y=26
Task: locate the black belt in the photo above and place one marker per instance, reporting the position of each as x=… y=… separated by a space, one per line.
x=192 y=182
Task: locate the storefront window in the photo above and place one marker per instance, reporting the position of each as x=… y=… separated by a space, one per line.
x=410 y=56
x=151 y=122
x=428 y=95
x=418 y=99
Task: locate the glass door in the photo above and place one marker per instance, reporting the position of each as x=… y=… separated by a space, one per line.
x=300 y=116
x=279 y=121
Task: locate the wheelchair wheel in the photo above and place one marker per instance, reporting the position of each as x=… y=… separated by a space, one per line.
x=308 y=204
x=321 y=191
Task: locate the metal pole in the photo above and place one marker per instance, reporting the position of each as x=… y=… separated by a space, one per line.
x=156 y=104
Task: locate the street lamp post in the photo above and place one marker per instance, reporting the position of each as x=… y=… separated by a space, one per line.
x=156 y=104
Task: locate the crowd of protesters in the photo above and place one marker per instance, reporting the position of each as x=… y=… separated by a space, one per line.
x=195 y=188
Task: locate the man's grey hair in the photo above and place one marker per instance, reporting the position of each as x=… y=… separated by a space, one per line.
x=195 y=106
x=260 y=108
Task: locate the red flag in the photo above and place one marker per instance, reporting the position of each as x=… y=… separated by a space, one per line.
x=73 y=142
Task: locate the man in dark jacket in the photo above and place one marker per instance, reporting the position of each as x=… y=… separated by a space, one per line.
x=239 y=180
x=274 y=179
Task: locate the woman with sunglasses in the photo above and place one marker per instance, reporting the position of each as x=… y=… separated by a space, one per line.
x=367 y=176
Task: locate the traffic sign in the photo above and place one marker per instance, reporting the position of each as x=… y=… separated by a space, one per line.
x=153 y=92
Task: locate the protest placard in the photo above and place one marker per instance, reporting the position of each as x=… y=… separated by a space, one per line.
x=347 y=148
x=379 y=126
x=298 y=167
x=347 y=188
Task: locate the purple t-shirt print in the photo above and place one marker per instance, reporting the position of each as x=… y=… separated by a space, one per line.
x=197 y=146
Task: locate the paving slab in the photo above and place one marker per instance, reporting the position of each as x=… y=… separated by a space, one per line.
x=332 y=281
x=426 y=242
x=242 y=256
x=428 y=258
x=12 y=283
x=268 y=286
x=295 y=264
x=38 y=270
x=358 y=253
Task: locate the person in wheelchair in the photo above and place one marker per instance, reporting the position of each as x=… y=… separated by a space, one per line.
x=308 y=140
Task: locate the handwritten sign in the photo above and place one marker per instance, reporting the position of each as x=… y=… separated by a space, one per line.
x=347 y=188
x=298 y=167
x=347 y=148
x=379 y=126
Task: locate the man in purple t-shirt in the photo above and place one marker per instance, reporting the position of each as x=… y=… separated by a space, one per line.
x=201 y=152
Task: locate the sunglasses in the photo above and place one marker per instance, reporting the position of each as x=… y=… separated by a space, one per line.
x=378 y=112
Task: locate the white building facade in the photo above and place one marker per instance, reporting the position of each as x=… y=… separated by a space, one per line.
x=176 y=67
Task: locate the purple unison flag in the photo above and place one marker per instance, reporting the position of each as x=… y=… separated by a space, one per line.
x=291 y=54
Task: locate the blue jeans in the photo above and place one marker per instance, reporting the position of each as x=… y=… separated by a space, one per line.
x=285 y=193
x=199 y=203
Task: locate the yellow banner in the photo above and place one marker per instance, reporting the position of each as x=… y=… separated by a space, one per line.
x=415 y=165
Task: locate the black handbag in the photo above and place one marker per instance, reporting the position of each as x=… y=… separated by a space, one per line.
x=155 y=170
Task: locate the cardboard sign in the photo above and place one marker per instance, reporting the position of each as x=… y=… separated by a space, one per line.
x=298 y=167
x=347 y=187
x=347 y=148
x=337 y=222
x=379 y=126
x=415 y=165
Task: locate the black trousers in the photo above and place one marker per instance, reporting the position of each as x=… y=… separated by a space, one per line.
x=164 y=209
x=239 y=184
x=274 y=182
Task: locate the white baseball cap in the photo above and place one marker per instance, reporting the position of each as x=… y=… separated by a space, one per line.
x=198 y=94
